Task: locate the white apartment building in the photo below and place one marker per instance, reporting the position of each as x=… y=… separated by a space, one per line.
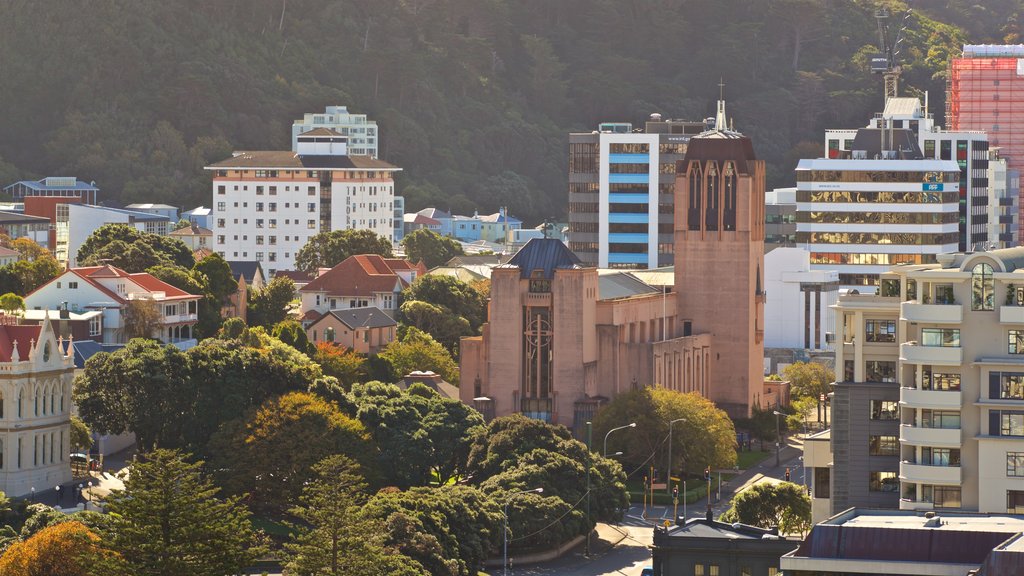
x=266 y=205
x=362 y=134
x=968 y=148
x=860 y=216
x=929 y=402
x=798 y=301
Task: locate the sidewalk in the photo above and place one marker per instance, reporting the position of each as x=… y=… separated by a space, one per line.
x=109 y=479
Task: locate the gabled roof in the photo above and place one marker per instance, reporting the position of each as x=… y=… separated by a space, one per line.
x=200 y=253
x=435 y=213
x=247 y=269
x=321 y=132
x=369 y=317
x=297 y=276
x=23 y=334
x=396 y=264
x=148 y=282
x=199 y=211
x=7 y=252
x=359 y=275
x=546 y=254
x=417 y=218
x=498 y=217
x=192 y=230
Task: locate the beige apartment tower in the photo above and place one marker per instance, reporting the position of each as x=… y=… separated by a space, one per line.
x=719 y=260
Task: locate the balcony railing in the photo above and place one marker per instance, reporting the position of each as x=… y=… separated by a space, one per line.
x=921 y=436
x=932 y=313
x=938 y=399
x=1011 y=314
x=907 y=504
x=914 y=353
x=911 y=472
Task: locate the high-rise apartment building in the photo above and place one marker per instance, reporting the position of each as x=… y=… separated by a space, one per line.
x=621 y=192
x=929 y=400
x=719 y=259
x=362 y=133
x=1004 y=197
x=969 y=148
x=882 y=205
x=985 y=92
x=266 y=205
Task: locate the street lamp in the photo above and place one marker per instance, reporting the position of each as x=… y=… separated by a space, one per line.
x=668 y=474
x=58 y=496
x=505 y=523
x=630 y=425
x=778 y=438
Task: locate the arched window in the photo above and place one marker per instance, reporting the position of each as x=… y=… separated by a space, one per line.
x=61 y=397
x=53 y=398
x=982 y=288
x=696 y=188
x=35 y=400
x=712 y=183
x=21 y=397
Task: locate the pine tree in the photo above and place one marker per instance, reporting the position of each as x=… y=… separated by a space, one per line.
x=168 y=521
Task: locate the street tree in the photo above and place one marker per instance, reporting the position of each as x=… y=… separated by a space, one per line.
x=268 y=453
x=81 y=436
x=430 y=248
x=142 y=318
x=810 y=379
x=270 y=305
x=133 y=250
x=328 y=249
x=168 y=521
x=705 y=438
x=768 y=505
x=220 y=282
x=417 y=350
x=28 y=249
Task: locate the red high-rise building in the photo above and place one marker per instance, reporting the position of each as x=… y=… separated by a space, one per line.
x=986 y=92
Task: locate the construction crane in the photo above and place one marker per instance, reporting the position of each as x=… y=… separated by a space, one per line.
x=887 y=63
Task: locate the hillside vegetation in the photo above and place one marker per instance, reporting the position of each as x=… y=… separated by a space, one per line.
x=474 y=97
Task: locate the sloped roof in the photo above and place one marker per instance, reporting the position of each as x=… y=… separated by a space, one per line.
x=464 y=273
x=359 y=275
x=417 y=218
x=297 y=276
x=435 y=213
x=7 y=252
x=246 y=269
x=321 y=132
x=369 y=317
x=200 y=253
x=192 y=230
x=148 y=206
x=48 y=184
x=498 y=217
x=23 y=334
x=7 y=217
x=902 y=107
x=286 y=159
x=547 y=254
x=612 y=284
x=148 y=282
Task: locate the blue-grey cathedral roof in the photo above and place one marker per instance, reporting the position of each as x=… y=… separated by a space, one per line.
x=547 y=254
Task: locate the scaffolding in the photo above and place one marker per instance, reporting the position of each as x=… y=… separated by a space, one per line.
x=985 y=91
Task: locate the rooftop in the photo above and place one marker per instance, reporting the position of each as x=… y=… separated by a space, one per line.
x=288 y=160
x=544 y=254
x=19 y=218
x=613 y=284
x=134 y=214
x=56 y=183
x=369 y=317
x=151 y=207
x=993 y=50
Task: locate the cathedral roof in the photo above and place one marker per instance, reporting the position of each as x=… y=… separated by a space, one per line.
x=547 y=254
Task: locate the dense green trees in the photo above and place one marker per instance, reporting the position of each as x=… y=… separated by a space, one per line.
x=124 y=246
x=783 y=505
x=430 y=248
x=444 y=307
x=270 y=305
x=327 y=249
x=474 y=102
x=417 y=350
x=169 y=521
x=705 y=438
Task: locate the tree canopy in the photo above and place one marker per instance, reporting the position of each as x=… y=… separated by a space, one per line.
x=417 y=350
x=766 y=504
x=444 y=307
x=430 y=248
x=124 y=246
x=270 y=305
x=328 y=249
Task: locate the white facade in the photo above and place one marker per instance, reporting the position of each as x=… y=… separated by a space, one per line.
x=968 y=148
x=859 y=217
x=607 y=199
x=35 y=411
x=267 y=205
x=797 y=308
x=82 y=220
x=362 y=133
x=1004 y=193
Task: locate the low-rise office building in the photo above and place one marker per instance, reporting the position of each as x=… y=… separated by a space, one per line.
x=708 y=547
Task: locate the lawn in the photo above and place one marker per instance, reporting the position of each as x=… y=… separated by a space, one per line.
x=273 y=528
x=747 y=460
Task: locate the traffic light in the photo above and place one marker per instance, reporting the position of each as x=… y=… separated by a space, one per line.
x=787 y=474
x=707 y=473
x=675 y=491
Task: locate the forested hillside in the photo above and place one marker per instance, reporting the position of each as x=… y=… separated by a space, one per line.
x=474 y=97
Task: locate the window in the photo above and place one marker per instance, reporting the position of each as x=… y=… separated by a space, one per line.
x=883 y=445
x=698 y=569
x=273 y=256
x=95 y=326
x=941 y=496
x=73 y=285
x=884 y=410
x=259 y=240
x=746 y=571
x=883 y=482
x=944 y=294
x=259 y=256
x=1015 y=464
x=1006 y=385
x=940 y=456
x=940 y=381
x=329 y=334
x=273 y=206
x=220 y=189
x=880 y=371
x=259 y=206
x=713 y=570
x=273 y=190
x=1015 y=342
x=880 y=330
x=311 y=206
x=220 y=239
x=311 y=224
x=272 y=223
x=948 y=419
x=947 y=337
x=982 y=287
x=1014 y=502
x=259 y=223
x=822 y=482
x=1010 y=423
x=221 y=207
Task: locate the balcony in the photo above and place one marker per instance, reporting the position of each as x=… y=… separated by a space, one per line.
x=910 y=472
x=932 y=313
x=936 y=399
x=914 y=353
x=1011 y=314
x=939 y=437
x=180 y=318
x=906 y=504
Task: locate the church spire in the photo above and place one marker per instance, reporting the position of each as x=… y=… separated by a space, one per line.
x=720 y=122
